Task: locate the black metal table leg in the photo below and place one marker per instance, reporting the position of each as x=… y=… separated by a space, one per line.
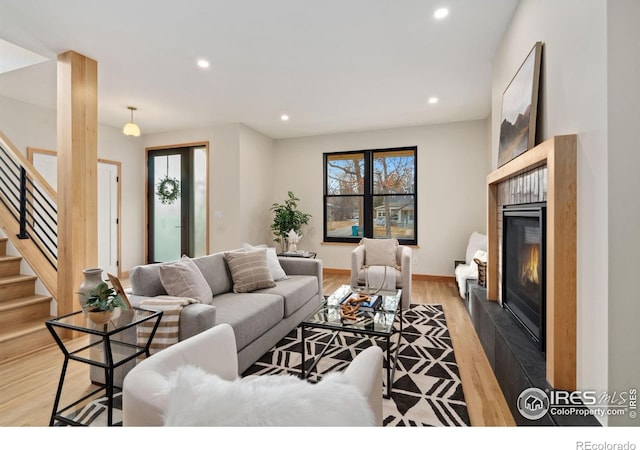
x=59 y=391
x=392 y=375
x=389 y=367
x=302 y=374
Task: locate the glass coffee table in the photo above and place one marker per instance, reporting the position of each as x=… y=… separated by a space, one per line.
x=376 y=323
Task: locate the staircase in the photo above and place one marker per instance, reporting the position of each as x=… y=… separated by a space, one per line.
x=22 y=312
x=28 y=220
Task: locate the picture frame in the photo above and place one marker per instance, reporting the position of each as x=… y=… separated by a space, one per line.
x=520 y=108
x=117 y=286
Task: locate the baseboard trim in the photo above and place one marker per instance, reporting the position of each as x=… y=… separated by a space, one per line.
x=330 y=271
x=415 y=276
x=424 y=277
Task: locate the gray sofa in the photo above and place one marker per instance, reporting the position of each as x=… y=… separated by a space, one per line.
x=259 y=319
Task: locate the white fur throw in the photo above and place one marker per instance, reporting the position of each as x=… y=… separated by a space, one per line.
x=197 y=398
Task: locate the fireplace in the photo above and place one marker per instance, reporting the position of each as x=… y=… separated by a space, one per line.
x=523 y=267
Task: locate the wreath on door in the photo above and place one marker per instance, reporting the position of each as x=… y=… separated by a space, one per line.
x=168 y=190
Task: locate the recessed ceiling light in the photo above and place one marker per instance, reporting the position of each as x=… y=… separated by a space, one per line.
x=433 y=100
x=203 y=63
x=441 y=13
x=284 y=117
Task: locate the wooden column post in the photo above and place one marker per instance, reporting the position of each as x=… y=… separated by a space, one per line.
x=77 y=144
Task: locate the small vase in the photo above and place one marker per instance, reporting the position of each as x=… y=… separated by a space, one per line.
x=92 y=278
x=100 y=317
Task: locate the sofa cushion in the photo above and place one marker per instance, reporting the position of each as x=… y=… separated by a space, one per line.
x=145 y=281
x=184 y=279
x=380 y=252
x=250 y=315
x=215 y=271
x=296 y=290
x=249 y=270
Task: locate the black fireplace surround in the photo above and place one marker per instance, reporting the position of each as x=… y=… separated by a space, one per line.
x=523 y=267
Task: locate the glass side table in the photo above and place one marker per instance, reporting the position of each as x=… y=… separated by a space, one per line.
x=110 y=346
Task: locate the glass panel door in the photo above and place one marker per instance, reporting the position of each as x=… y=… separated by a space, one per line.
x=177 y=203
x=166 y=218
x=198 y=242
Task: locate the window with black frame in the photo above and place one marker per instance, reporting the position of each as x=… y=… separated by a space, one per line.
x=371 y=193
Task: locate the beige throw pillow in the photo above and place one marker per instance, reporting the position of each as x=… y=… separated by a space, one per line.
x=249 y=270
x=184 y=279
x=380 y=252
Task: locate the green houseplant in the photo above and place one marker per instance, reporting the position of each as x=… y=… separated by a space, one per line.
x=101 y=303
x=287 y=217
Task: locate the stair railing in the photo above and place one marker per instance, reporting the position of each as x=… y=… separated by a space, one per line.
x=32 y=202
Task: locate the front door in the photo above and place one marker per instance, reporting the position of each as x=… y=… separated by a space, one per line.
x=176 y=203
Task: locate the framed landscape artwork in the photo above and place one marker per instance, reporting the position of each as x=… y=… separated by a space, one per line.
x=519 y=109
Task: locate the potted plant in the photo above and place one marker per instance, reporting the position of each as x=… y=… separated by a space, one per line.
x=101 y=303
x=287 y=217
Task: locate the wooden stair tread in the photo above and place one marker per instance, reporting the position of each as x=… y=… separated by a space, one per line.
x=23 y=301
x=23 y=329
x=10 y=258
x=16 y=279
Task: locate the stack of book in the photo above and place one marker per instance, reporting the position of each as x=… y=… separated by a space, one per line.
x=371 y=304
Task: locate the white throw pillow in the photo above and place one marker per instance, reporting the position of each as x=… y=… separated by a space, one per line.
x=184 y=279
x=481 y=255
x=197 y=398
x=277 y=272
x=477 y=241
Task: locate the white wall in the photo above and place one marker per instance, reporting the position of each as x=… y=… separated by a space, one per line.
x=452 y=172
x=623 y=74
x=27 y=125
x=256 y=180
x=591 y=68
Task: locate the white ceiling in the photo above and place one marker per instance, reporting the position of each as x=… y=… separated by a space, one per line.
x=331 y=65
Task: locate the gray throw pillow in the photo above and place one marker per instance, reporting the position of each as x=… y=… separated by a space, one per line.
x=184 y=279
x=249 y=270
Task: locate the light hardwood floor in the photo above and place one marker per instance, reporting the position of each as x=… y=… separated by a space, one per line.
x=28 y=385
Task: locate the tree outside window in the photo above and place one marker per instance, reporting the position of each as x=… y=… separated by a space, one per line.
x=371 y=193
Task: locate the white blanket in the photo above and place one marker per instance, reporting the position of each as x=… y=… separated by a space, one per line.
x=381 y=277
x=197 y=398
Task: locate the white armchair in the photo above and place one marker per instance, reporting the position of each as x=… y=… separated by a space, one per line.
x=146 y=387
x=384 y=252
x=467 y=270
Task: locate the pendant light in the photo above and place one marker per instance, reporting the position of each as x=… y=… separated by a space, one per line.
x=131 y=129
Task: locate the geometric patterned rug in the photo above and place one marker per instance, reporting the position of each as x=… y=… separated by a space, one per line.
x=94 y=414
x=427 y=390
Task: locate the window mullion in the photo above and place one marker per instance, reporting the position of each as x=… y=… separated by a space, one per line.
x=368 y=195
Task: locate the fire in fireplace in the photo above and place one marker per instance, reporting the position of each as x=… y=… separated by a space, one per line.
x=523 y=268
x=530 y=268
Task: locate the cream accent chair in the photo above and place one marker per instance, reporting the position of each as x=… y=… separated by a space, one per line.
x=402 y=257
x=145 y=389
